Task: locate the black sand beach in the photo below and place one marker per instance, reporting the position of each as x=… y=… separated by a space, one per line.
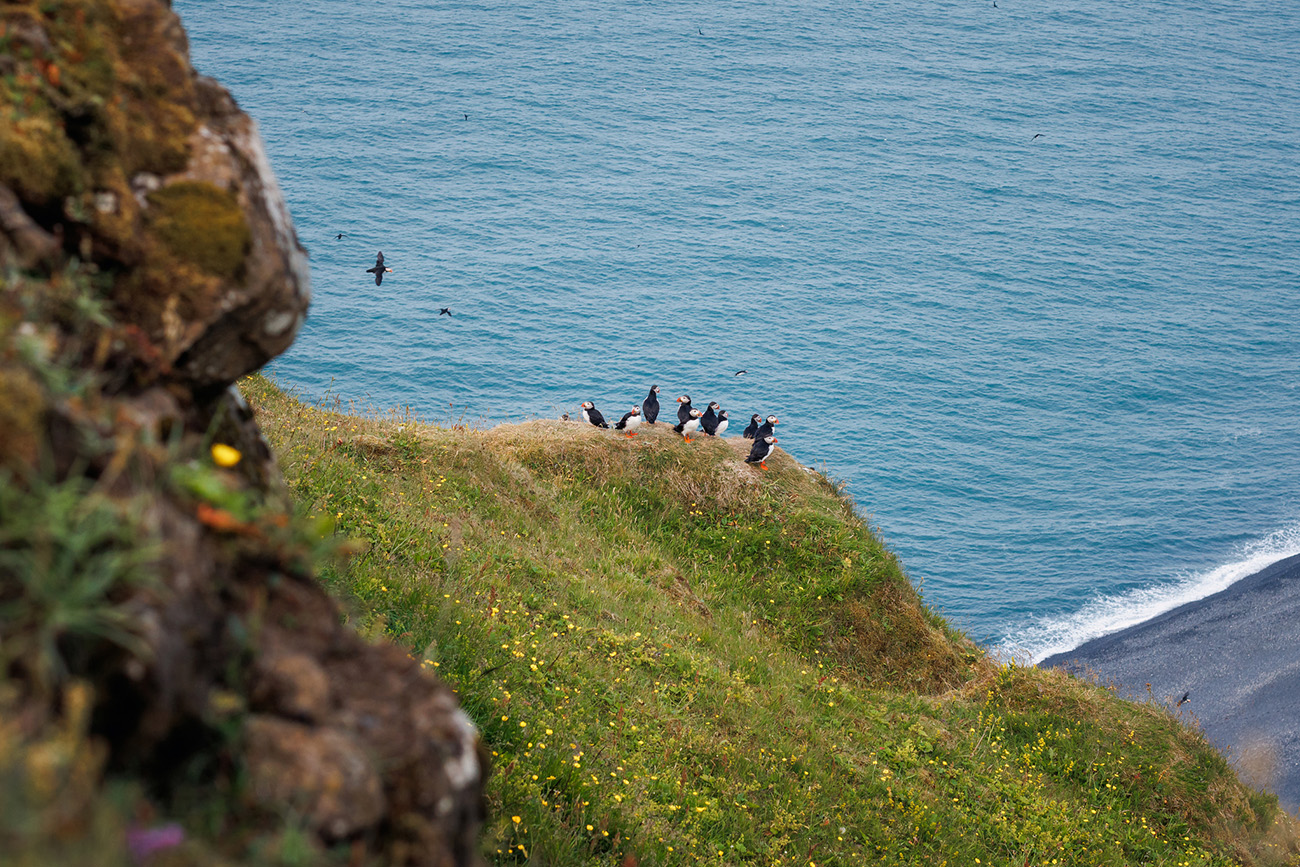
x=1237 y=655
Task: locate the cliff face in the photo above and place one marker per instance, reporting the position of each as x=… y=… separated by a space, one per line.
x=153 y=588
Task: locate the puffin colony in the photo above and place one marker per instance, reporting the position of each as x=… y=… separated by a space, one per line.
x=713 y=421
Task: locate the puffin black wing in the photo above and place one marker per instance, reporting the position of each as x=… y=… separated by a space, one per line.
x=748 y=433
x=378 y=270
x=761 y=449
x=596 y=418
x=709 y=421
x=622 y=423
x=650 y=406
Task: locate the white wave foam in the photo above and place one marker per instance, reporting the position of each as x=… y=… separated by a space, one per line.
x=1108 y=614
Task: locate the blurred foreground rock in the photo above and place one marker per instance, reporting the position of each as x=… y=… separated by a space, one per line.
x=148 y=262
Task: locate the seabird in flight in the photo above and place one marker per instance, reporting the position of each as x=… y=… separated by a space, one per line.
x=379 y=270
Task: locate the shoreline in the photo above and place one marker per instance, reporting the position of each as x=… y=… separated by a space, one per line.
x=1236 y=654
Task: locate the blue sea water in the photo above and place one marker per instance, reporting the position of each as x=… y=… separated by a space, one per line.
x=1025 y=276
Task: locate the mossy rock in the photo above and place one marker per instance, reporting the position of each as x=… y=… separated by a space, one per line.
x=36 y=159
x=201 y=224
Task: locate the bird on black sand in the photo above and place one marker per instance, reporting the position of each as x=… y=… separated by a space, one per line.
x=752 y=428
x=766 y=428
x=379 y=270
x=630 y=421
x=650 y=406
x=690 y=425
x=709 y=421
x=684 y=407
x=592 y=415
x=761 y=451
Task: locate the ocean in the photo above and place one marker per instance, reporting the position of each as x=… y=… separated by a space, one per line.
x=1025 y=276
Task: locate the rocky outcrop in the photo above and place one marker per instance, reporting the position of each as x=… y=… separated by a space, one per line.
x=148 y=262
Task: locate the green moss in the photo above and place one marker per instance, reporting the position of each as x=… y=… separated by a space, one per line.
x=202 y=224
x=36 y=159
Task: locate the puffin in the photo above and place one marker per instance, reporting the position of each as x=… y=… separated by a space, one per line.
x=690 y=425
x=630 y=421
x=709 y=422
x=761 y=451
x=765 y=429
x=592 y=415
x=684 y=411
x=650 y=406
x=722 y=423
x=379 y=270
x=748 y=433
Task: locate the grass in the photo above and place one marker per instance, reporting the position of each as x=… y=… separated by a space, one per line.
x=676 y=658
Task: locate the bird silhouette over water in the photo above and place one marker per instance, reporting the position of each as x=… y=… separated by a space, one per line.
x=379 y=270
x=1037 y=135
x=1187 y=695
x=444 y=311
x=740 y=373
x=466 y=116
x=338 y=237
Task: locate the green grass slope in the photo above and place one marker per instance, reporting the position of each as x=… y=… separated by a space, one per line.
x=676 y=658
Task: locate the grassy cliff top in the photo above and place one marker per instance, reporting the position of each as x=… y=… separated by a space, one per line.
x=676 y=658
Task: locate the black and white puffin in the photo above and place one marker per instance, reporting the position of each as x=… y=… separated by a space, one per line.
x=650 y=406
x=684 y=410
x=690 y=425
x=379 y=270
x=630 y=421
x=765 y=429
x=722 y=423
x=761 y=451
x=592 y=415
x=709 y=421
x=748 y=433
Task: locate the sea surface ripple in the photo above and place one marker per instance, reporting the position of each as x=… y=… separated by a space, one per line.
x=1025 y=276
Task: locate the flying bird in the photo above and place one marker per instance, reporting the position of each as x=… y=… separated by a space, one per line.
x=1037 y=135
x=1184 y=699
x=741 y=372
x=338 y=237
x=379 y=270
x=444 y=311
